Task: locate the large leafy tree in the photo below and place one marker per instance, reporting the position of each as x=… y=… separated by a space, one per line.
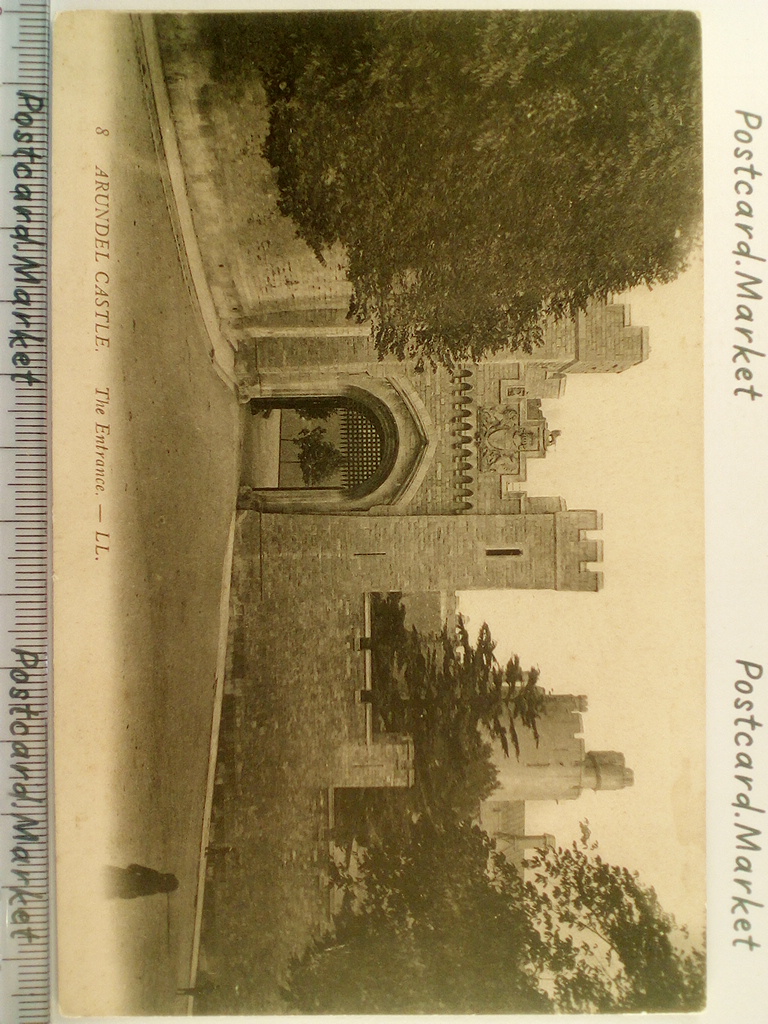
x=610 y=944
x=483 y=168
x=442 y=924
x=441 y=928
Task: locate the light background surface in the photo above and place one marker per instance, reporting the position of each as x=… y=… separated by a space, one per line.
x=737 y=541
x=631 y=447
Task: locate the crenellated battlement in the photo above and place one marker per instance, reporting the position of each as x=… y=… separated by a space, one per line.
x=606 y=341
x=558 y=767
x=575 y=551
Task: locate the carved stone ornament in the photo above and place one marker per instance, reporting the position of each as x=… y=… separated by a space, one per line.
x=502 y=435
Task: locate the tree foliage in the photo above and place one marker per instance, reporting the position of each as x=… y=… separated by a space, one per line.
x=434 y=919
x=318 y=458
x=441 y=923
x=610 y=944
x=442 y=929
x=483 y=169
x=452 y=697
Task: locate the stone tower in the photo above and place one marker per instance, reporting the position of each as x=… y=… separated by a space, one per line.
x=559 y=767
x=544 y=549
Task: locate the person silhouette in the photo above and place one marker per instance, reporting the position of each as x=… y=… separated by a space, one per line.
x=137 y=880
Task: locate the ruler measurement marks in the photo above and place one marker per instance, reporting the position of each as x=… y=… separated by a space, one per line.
x=24 y=723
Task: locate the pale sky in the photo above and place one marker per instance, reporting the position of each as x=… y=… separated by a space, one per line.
x=631 y=447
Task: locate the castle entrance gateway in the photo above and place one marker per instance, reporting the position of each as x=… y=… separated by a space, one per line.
x=345 y=443
x=325 y=443
x=413 y=475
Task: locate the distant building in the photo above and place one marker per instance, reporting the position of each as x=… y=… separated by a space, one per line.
x=504 y=821
x=558 y=767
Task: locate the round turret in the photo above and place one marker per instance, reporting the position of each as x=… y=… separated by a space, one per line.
x=605 y=769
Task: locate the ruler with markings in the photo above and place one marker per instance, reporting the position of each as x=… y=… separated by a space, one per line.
x=25 y=844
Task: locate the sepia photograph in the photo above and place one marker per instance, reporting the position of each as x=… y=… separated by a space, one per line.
x=378 y=491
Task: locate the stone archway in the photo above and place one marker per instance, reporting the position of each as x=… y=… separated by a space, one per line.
x=390 y=422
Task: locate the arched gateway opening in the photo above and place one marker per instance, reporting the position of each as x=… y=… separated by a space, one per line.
x=329 y=443
x=348 y=443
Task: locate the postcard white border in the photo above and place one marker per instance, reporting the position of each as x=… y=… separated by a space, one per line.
x=735 y=36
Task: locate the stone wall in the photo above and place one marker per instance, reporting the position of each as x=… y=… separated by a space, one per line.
x=254 y=259
x=607 y=343
x=552 y=768
x=359 y=553
x=385 y=762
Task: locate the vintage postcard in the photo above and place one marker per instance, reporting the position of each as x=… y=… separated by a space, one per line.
x=379 y=575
